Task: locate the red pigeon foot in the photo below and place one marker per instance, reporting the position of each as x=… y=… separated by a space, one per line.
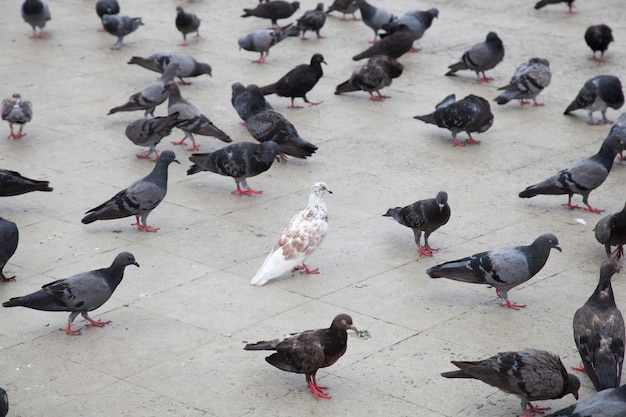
x=248 y=191
x=512 y=305
x=303 y=269
x=457 y=143
x=318 y=392
x=97 y=323
x=570 y=206
x=68 y=330
x=593 y=210
x=580 y=368
x=414 y=50
x=424 y=251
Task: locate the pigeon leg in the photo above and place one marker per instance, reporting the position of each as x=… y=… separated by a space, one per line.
x=617 y=253
x=12 y=135
x=537 y=104
x=456 y=142
x=580 y=368
x=314 y=378
x=147 y=155
x=260 y=60
x=144 y=227
x=523 y=102
x=415 y=50
x=533 y=409
x=38 y=35
x=248 y=191
x=68 y=330
x=311 y=103
x=303 y=38
x=593 y=210
x=569 y=204
x=484 y=78
x=374 y=98
x=320 y=36
x=180 y=142
x=318 y=391
x=472 y=140
x=382 y=96
x=375 y=39
x=355 y=18
x=303 y=269
x=92 y=322
x=512 y=305
x=293 y=106
x=605 y=121
x=424 y=251
x=571 y=9
x=620 y=156
x=183 y=82
x=183 y=43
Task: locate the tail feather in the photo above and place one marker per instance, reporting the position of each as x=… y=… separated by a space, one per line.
x=269 y=89
x=606 y=373
x=345 y=87
x=456 y=67
x=548 y=186
x=263 y=345
x=541 y=4
x=573 y=106
x=456 y=374
x=365 y=54
x=458 y=271
x=503 y=98
x=298 y=147
x=428 y=118
x=247 y=13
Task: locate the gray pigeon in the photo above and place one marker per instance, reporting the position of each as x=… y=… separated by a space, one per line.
x=262 y=40
x=192 y=120
x=265 y=124
x=344 y=7
x=312 y=20
x=599 y=93
x=273 y=10
x=416 y=20
x=79 y=294
x=149 y=132
x=139 y=199
x=240 y=160
x=619 y=129
x=374 y=17
x=13 y=183
x=472 y=114
x=527 y=83
x=608 y=403
x=9 y=237
x=16 y=110
x=543 y=3
x=599 y=333
x=582 y=177
x=107 y=7
x=611 y=231
x=598 y=38
x=375 y=75
x=186 y=23
x=239 y=100
x=4 y=403
x=120 y=26
x=397 y=41
x=423 y=216
x=531 y=374
x=481 y=57
x=36 y=13
x=188 y=66
x=504 y=268
x=151 y=96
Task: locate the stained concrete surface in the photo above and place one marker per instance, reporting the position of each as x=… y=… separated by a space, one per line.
x=174 y=346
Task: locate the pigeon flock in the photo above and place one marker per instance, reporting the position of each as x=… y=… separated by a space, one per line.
x=222 y=261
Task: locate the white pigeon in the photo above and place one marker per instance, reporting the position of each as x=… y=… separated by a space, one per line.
x=304 y=234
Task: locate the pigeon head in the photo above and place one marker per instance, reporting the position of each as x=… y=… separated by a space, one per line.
x=572 y=385
x=319 y=188
x=607 y=270
x=272 y=147
x=238 y=88
x=548 y=240
x=539 y=61
x=167 y=157
x=318 y=58
x=295 y=5
x=179 y=10
x=492 y=36
x=124 y=259
x=343 y=322
x=319 y=7
x=442 y=199
x=204 y=68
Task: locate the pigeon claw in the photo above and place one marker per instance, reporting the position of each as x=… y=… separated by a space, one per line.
x=457 y=143
x=415 y=50
x=304 y=269
x=533 y=409
x=317 y=391
x=247 y=191
x=512 y=305
x=259 y=61
x=97 y=323
x=580 y=368
x=183 y=44
x=144 y=227
x=570 y=206
x=68 y=330
x=424 y=251
x=147 y=155
x=593 y=210
x=473 y=141
x=537 y=104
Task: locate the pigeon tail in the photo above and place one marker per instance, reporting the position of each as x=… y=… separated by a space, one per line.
x=575 y=105
x=505 y=97
x=428 y=118
x=456 y=67
x=606 y=373
x=268 y=89
x=456 y=374
x=345 y=87
x=263 y=345
x=548 y=186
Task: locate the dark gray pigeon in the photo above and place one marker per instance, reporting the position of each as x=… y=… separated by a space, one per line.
x=36 y=13
x=344 y=7
x=481 y=57
x=599 y=93
x=120 y=26
x=4 y=403
x=188 y=66
x=608 y=403
x=306 y=352
x=598 y=38
x=186 y=23
x=16 y=110
x=619 y=129
x=599 y=333
x=262 y=40
x=531 y=374
x=149 y=132
x=240 y=160
x=151 y=96
x=79 y=294
x=527 y=83
x=312 y=20
x=192 y=120
x=239 y=100
x=472 y=114
x=273 y=10
x=581 y=178
x=139 y=199
x=504 y=268
x=423 y=216
x=611 y=231
x=543 y=3
x=13 y=183
x=107 y=7
x=397 y=41
x=374 y=17
x=416 y=20
x=373 y=76
x=9 y=236
x=265 y=124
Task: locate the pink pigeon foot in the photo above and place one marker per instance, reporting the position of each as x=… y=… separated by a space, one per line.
x=304 y=269
x=580 y=368
x=415 y=50
x=593 y=210
x=68 y=330
x=247 y=191
x=97 y=323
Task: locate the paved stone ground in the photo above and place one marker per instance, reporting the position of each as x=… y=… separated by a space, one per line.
x=174 y=346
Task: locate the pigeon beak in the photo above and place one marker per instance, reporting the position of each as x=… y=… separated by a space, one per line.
x=330 y=192
x=324 y=62
x=441 y=206
x=136 y=264
x=353 y=328
x=178 y=162
x=558 y=247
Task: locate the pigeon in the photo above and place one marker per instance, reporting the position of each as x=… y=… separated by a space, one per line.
x=308 y=351
x=504 y=268
x=374 y=17
x=186 y=23
x=543 y=3
x=139 y=199
x=187 y=65
x=13 y=183
x=598 y=37
x=373 y=76
x=36 y=13
x=9 y=237
x=345 y=7
x=107 y=7
x=16 y=110
x=240 y=160
x=239 y=100
x=4 y=403
x=531 y=374
x=608 y=403
x=120 y=26
x=619 y=128
x=149 y=132
x=299 y=81
x=423 y=216
x=599 y=333
x=262 y=40
x=581 y=178
x=481 y=57
x=302 y=236
x=527 y=83
x=611 y=230
x=273 y=10
x=397 y=41
x=192 y=120
x=79 y=294
x=265 y=124
x=472 y=114
x=598 y=93
x=416 y=20
x=312 y=20
x=151 y=96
